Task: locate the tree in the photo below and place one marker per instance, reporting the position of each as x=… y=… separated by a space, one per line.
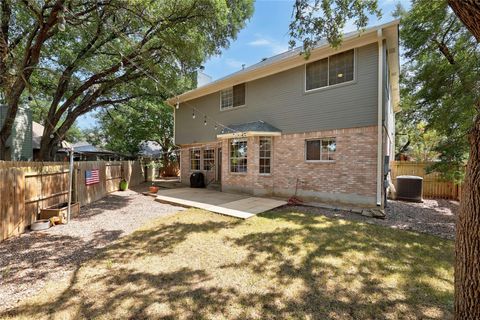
x=39 y=113
x=440 y=42
x=110 y=52
x=120 y=127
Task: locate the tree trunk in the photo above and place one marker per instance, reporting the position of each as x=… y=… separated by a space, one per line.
x=468 y=11
x=467 y=245
x=46 y=148
x=3 y=147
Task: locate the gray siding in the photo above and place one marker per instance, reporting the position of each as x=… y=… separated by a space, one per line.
x=20 y=140
x=280 y=100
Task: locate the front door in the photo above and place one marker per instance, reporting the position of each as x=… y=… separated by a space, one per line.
x=219 y=164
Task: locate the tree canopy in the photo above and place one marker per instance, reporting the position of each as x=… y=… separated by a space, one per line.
x=440 y=82
x=124 y=128
x=82 y=55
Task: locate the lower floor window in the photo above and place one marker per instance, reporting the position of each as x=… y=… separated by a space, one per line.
x=194 y=159
x=238 y=155
x=321 y=149
x=208 y=159
x=265 y=156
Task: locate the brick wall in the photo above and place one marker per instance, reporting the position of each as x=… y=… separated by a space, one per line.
x=351 y=178
x=185 y=171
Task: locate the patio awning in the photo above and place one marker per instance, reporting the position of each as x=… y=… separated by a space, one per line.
x=255 y=128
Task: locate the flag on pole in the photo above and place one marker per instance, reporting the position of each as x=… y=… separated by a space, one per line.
x=92 y=177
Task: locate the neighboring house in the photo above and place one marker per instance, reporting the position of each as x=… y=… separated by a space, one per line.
x=321 y=128
x=19 y=144
x=85 y=151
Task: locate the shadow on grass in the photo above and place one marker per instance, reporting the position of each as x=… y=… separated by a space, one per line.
x=295 y=265
x=344 y=266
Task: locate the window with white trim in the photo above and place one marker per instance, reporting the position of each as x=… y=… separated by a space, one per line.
x=194 y=159
x=238 y=155
x=232 y=97
x=265 y=156
x=335 y=69
x=208 y=159
x=320 y=149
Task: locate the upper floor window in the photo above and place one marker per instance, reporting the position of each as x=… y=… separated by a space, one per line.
x=232 y=97
x=333 y=70
x=320 y=149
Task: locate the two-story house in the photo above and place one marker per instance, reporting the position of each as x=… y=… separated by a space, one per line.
x=321 y=127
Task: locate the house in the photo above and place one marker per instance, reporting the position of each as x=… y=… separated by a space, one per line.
x=85 y=151
x=321 y=128
x=19 y=144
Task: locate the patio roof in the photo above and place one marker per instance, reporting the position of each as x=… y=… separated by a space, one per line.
x=255 y=128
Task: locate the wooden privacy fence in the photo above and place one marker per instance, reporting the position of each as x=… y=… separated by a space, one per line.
x=433 y=184
x=27 y=187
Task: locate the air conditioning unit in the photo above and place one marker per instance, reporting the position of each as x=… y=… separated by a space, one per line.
x=410 y=188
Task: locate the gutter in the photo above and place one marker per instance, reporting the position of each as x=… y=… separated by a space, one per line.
x=379 y=118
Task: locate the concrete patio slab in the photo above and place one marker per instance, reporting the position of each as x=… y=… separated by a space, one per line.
x=230 y=204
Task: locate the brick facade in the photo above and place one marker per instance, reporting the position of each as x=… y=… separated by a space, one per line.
x=351 y=178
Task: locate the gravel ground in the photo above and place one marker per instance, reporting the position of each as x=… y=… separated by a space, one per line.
x=30 y=260
x=435 y=217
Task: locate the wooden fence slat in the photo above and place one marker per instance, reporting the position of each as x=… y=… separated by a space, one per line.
x=3 y=200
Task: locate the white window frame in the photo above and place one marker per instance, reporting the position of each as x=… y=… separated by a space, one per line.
x=328 y=73
x=233 y=98
x=199 y=159
x=230 y=156
x=210 y=159
x=320 y=139
x=260 y=156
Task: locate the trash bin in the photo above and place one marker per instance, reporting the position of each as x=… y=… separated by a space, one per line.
x=197 y=180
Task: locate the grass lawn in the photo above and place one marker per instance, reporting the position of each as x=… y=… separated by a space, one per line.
x=279 y=265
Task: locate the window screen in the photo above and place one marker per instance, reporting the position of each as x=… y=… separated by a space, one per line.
x=341 y=67
x=232 y=97
x=321 y=149
x=317 y=74
x=330 y=71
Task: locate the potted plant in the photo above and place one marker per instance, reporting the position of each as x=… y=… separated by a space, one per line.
x=123 y=185
x=153 y=188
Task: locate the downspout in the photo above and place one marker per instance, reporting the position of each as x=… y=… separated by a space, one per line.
x=379 y=118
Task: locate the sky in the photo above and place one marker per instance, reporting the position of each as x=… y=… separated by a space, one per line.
x=265 y=35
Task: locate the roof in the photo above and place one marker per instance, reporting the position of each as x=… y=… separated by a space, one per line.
x=86 y=147
x=292 y=58
x=255 y=126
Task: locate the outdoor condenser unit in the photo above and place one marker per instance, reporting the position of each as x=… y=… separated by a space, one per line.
x=409 y=188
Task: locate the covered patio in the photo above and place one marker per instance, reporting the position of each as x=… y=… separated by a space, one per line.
x=230 y=204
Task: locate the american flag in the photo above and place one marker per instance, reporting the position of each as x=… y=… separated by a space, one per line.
x=92 y=177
